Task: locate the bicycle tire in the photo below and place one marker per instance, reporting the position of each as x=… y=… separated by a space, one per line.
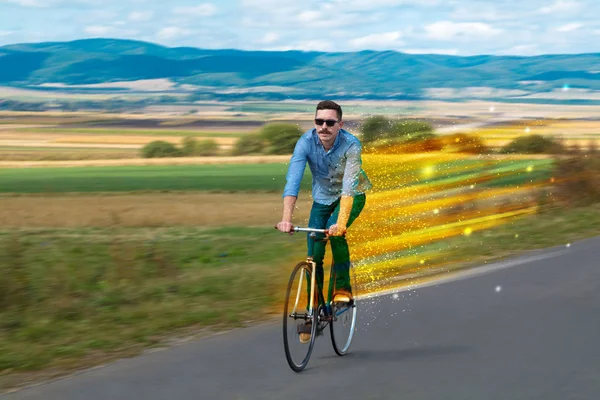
x=342 y=346
x=297 y=283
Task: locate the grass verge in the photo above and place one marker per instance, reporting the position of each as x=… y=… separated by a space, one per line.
x=73 y=298
x=78 y=297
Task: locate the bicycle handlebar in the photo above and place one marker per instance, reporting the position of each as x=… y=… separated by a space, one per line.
x=298 y=229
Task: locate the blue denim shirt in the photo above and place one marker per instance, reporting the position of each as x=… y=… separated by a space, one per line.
x=335 y=172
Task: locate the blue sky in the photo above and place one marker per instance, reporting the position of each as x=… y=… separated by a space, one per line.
x=462 y=27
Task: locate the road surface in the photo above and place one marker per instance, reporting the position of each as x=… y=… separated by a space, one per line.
x=524 y=329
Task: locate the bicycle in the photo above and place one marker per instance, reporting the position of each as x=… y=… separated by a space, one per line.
x=305 y=313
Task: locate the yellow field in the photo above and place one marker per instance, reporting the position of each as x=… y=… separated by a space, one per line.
x=146 y=210
x=147 y=161
x=22 y=128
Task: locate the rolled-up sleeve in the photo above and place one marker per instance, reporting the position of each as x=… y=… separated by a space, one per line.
x=352 y=170
x=296 y=169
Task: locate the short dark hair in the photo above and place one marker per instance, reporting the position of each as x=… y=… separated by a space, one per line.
x=330 y=105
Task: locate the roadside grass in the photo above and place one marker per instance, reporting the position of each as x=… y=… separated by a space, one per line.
x=75 y=298
x=66 y=294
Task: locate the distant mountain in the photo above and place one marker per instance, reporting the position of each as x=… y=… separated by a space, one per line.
x=295 y=74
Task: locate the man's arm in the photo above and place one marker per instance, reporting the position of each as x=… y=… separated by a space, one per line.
x=289 y=202
x=292 y=187
x=350 y=181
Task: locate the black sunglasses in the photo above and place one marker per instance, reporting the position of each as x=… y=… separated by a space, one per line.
x=329 y=122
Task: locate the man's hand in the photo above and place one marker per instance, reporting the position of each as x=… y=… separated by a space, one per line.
x=285 y=227
x=337 y=230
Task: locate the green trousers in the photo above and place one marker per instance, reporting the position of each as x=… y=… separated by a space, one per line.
x=321 y=217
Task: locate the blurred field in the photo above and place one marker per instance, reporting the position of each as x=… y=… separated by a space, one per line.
x=145 y=210
x=223 y=178
x=104 y=257
x=225 y=123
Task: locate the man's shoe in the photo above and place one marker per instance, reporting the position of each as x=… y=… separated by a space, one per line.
x=342 y=296
x=304 y=331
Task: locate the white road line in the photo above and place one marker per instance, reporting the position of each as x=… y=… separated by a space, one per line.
x=470 y=273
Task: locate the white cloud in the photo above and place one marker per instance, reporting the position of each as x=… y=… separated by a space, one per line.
x=484 y=12
x=309 y=16
x=569 y=27
x=378 y=41
x=268 y=4
x=30 y=3
x=172 y=32
x=96 y=15
x=450 y=52
x=50 y=3
x=521 y=50
x=98 y=30
x=323 y=19
x=362 y=5
x=270 y=37
x=561 y=6
x=306 y=45
x=314 y=45
x=201 y=10
x=448 y=30
x=6 y=33
x=140 y=16
x=108 y=30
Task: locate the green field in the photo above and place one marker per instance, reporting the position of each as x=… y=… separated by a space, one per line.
x=234 y=178
x=226 y=178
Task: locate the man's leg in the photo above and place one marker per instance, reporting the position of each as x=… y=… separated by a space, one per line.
x=340 y=250
x=319 y=215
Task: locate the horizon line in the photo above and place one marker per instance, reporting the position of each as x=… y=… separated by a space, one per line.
x=297 y=50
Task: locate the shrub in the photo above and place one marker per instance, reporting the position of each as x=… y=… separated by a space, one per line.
x=248 y=144
x=280 y=137
x=189 y=146
x=533 y=144
x=409 y=128
x=463 y=143
x=380 y=130
x=207 y=148
x=424 y=142
x=592 y=148
x=578 y=179
x=375 y=128
x=160 y=148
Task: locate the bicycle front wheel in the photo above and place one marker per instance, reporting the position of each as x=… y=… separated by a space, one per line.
x=343 y=322
x=299 y=320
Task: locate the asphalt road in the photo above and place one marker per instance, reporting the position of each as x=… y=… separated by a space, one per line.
x=524 y=329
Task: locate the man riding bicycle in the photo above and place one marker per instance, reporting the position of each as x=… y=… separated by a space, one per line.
x=338 y=190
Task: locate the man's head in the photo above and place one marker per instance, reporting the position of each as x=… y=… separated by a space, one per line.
x=328 y=122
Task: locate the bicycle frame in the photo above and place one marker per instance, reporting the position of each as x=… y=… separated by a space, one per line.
x=310 y=259
x=320 y=310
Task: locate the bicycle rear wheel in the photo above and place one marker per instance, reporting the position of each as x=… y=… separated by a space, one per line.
x=298 y=317
x=343 y=322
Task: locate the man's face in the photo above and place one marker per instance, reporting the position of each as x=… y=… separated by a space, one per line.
x=327 y=133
